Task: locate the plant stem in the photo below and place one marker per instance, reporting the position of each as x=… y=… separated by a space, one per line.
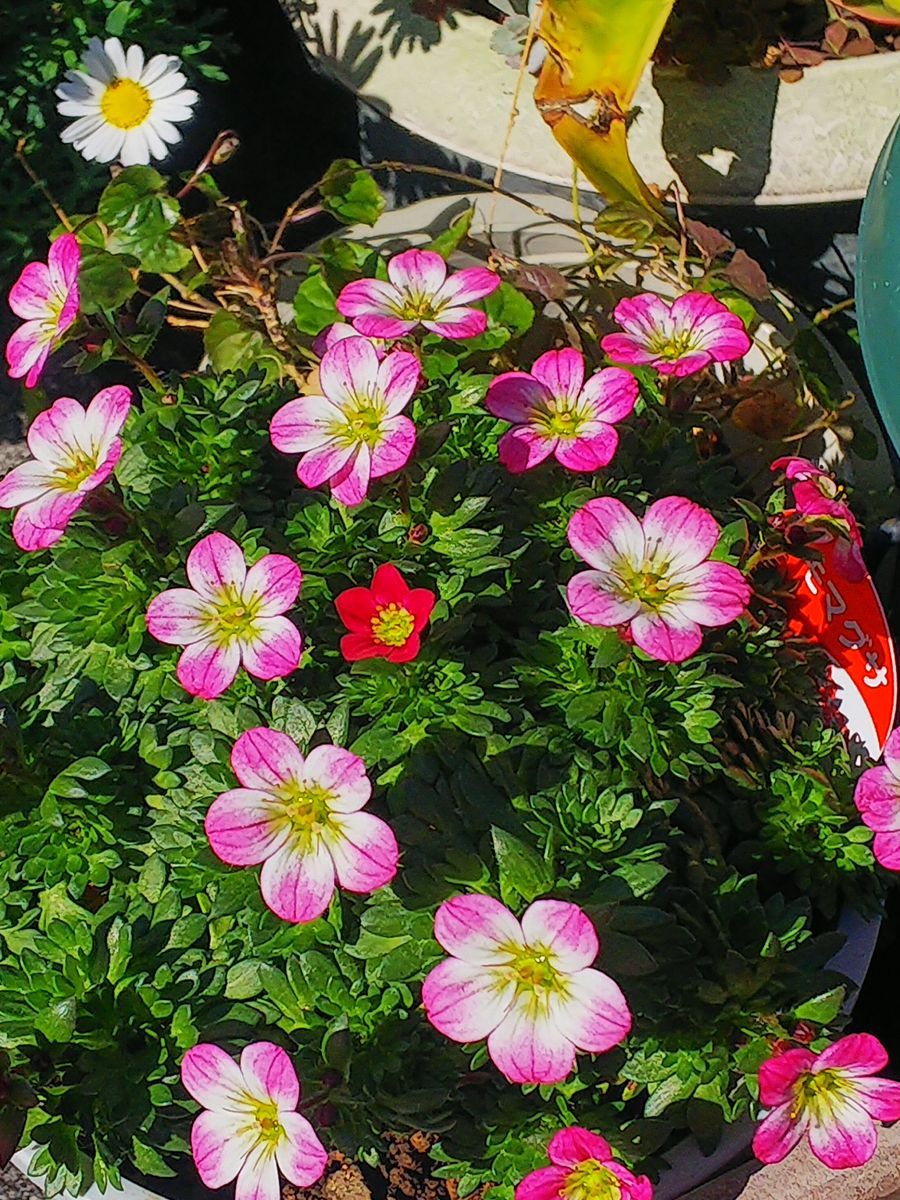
x=136 y=361
x=40 y=185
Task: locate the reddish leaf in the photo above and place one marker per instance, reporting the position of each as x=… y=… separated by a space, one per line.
x=546 y=281
x=709 y=241
x=747 y=276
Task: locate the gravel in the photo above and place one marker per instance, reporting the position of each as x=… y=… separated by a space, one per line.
x=14 y=1185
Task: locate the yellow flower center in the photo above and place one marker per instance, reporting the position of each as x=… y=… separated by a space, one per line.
x=670 y=347
x=561 y=421
x=418 y=308
x=363 y=422
x=125 y=104
x=79 y=468
x=592 y=1181
x=233 y=617
x=270 y=1128
x=392 y=625
x=307 y=808
x=818 y=1093
x=535 y=971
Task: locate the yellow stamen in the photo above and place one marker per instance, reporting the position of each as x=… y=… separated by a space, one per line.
x=392 y=625
x=232 y=616
x=592 y=1181
x=79 y=468
x=125 y=104
x=270 y=1128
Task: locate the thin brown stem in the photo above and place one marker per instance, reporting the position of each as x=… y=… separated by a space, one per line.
x=186 y=294
x=40 y=185
x=211 y=158
x=136 y=361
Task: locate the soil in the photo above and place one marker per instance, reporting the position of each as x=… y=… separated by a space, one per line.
x=405 y=1173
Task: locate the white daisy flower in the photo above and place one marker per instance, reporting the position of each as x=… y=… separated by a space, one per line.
x=125 y=109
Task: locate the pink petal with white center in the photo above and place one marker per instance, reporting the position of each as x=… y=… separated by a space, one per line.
x=478 y=929
x=604 y=532
x=350 y=485
x=364 y=851
x=274 y=650
x=522 y=448
x=778 y=1133
x=31 y=295
x=264 y=759
x=64 y=261
x=465 y=1002
x=623 y=348
x=643 y=315
x=207 y=670
x=348 y=370
x=342 y=774
x=214 y=564
x=891 y=753
x=31 y=535
x=679 y=534
x=398 y=378
x=269 y=1075
x=383 y=326
x=588 y=452
x=300 y=1155
x=612 y=394
x=336 y=333
x=220 y=1142
x=52 y=510
x=275 y=581
x=561 y=372
x=593 y=597
x=25 y=483
x=682 y=367
x=26 y=352
x=879 y=1097
x=514 y=396
x=418 y=273
x=886 y=848
x=57 y=431
x=307 y=423
x=298 y=884
x=473 y=283
x=564 y=929
x=393 y=452
x=665 y=636
x=258 y=1179
x=529 y=1048
x=244 y=827
x=319 y=465
x=106 y=414
x=546 y=1183
x=857 y=1054
x=456 y=323
x=877 y=797
x=847 y=1138
x=594 y=1015
x=178 y=617
x=572 y=1146
x=113 y=452
x=212 y=1077
x=369 y=297
x=779 y=1074
x=712 y=594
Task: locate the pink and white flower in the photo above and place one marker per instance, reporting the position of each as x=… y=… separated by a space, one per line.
x=46 y=296
x=678 y=338
x=419 y=293
x=831 y=1098
x=355 y=431
x=250 y=1129
x=818 y=498
x=75 y=450
x=583 y=1168
x=229 y=616
x=528 y=987
x=877 y=797
x=653 y=576
x=339 y=332
x=553 y=411
x=302 y=819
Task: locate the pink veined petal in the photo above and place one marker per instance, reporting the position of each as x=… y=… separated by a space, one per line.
x=594 y=1015
x=26 y=352
x=612 y=394
x=178 y=617
x=679 y=533
x=307 y=423
x=891 y=753
x=396 y=447
x=350 y=485
x=214 y=564
x=564 y=929
x=529 y=1048
x=857 y=1054
x=561 y=372
x=588 y=453
x=623 y=348
x=245 y=827
x=319 y=465
x=879 y=1097
x=847 y=1138
x=207 y=670
x=348 y=370
x=269 y=1075
x=778 y=1133
x=779 y=1074
x=64 y=261
x=546 y=1183
x=274 y=650
x=58 y=431
x=522 y=448
x=220 y=1142
x=300 y=1155
x=52 y=510
x=465 y=1002
x=398 y=378
x=604 y=533
x=682 y=367
x=877 y=797
x=572 y=1146
x=666 y=637
x=336 y=333
x=342 y=774
x=212 y=1077
x=643 y=315
x=266 y=758
x=258 y=1178
x=109 y=463
x=32 y=535
x=275 y=580
x=473 y=283
x=593 y=597
x=477 y=929
x=106 y=414
x=886 y=848
x=25 y=483
x=298 y=884
x=515 y=396
x=383 y=327
x=455 y=323
x=364 y=851
x=31 y=295
x=712 y=594
x=369 y=297
x=417 y=273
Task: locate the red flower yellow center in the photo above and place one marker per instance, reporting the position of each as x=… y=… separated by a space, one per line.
x=592 y=1181
x=393 y=625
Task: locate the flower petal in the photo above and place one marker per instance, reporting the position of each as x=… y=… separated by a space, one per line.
x=561 y=372
x=779 y=1133
x=31 y=295
x=458 y=323
x=342 y=774
x=604 y=532
x=264 y=759
x=58 y=431
x=623 y=348
x=777 y=1076
x=529 y=1048
x=307 y=423
x=593 y=597
x=384 y=328
x=886 y=848
x=215 y=564
x=564 y=929
x=220 y=1142
x=275 y=580
x=472 y=283
x=269 y=1075
x=418 y=273
x=364 y=851
x=398 y=379
x=546 y=1183
x=207 y=670
x=369 y=297
x=274 y=650
x=178 y=617
x=25 y=483
x=243 y=827
x=891 y=753
x=845 y=1138
x=348 y=370
x=298 y=884
x=477 y=929
x=574 y=1145
x=642 y=315
x=712 y=594
x=522 y=448
x=679 y=534
x=64 y=261
x=350 y=485
x=588 y=453
x=258 y=1179
x=665 y=636
x=857 y=1054
x=464 y=1001
x=388 y=586
x=356 y=608
x=879 y=1097
x=105 y=416
x=26 y=352
x=324 y=463
x=595 y=1015
x=612 y=394
x=212 y=1077
x=393 y=452
x=32 y=530
x=300 y=1155
x=515 y=396
x=877 y=794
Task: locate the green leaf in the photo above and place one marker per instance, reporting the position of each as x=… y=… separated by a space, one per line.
x=57 y=1023
x=117 y=19
x=149 y=1161
x=140 y=215
x=314 y=305
x=293 y=718
x=243 y=980
x=523 y=872
x=452 y=238
x=822 y=1008
x=508 y=308
x=104 y=282
x=232 y=346
x=351 y=194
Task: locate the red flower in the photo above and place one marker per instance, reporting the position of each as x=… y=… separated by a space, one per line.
x=384 y=620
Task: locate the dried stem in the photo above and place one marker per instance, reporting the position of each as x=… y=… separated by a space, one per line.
x=40 y=185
